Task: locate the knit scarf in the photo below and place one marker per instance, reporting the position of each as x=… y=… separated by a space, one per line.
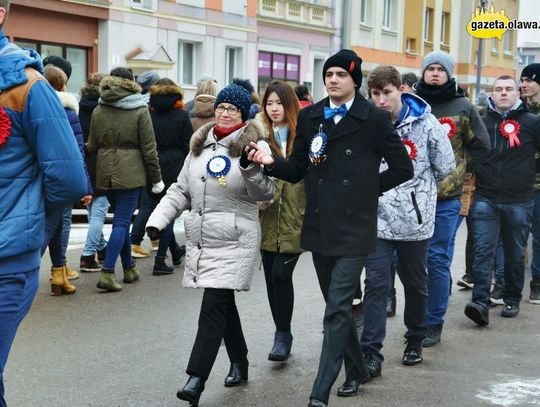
x=221 y=132
x=127 y=103
x=434 y=94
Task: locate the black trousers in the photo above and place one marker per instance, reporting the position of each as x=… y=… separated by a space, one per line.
x=338 y=279
x=218 y=320
x=278 y=272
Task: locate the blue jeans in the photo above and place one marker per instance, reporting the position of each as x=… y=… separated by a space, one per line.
x=412 y=257
x=97 y=210
x=54 y=224
x=17 y=291
x=338 y=280
x=512 y=221
x=125 y=201
x=66 y=229
x=146 y=206
x=439 y=260
x=535 y=266
x=167 y=241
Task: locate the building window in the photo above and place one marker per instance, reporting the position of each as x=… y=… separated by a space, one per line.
x=526 y=59
x=388 y=14
x=428 y=24
x=145 y=4
x=411 y=45
x=273 y=65
x=507 y=42
x=495 y=45
x=445 y=28
x=232 y=56
x=78 y=57
x=187 y=55
x=365 y=12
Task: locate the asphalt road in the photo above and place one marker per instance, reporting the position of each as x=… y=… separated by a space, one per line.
x=130 y=349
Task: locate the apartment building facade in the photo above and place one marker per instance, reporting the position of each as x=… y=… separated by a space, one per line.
x=401 y=32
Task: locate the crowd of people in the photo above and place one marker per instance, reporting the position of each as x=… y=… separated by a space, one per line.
x=379 y=183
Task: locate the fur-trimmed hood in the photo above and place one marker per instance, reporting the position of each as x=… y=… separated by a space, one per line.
x=204 y=106
x=166 y=90
x=89 y=90
x=253 y=131
x=113 y=88
x=68 y=101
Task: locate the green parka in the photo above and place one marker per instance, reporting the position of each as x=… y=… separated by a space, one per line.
x=122 y=136
x=281 y=222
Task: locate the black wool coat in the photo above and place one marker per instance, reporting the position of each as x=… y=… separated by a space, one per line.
x=173 y=131
x=343 y=191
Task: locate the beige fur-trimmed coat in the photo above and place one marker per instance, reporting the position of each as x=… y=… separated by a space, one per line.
x=222 y=228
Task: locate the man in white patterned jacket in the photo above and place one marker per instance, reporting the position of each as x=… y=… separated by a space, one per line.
x=406 y=218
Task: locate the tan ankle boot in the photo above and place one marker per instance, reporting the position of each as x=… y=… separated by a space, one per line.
x=70 y=273
x=60 y=283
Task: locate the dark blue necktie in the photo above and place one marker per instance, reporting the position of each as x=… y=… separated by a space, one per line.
x=330 y=112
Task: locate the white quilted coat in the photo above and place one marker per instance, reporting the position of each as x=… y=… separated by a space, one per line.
x=222 y=228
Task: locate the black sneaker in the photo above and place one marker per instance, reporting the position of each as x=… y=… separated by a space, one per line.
x=510 y=311
x=412 y=354
x=496 y=295
x=433 y=336
x=534 y=297
x=374 y=366
x=467 y=281
x=88 y=264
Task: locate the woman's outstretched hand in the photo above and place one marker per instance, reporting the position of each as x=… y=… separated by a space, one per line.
x=258 y=156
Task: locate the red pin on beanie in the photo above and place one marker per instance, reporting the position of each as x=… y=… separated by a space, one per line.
x=348 y=60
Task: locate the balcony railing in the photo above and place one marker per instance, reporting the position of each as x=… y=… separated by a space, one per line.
x=296 y=11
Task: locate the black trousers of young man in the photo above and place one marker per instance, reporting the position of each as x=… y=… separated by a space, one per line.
x=338 y=279
x=218 y=320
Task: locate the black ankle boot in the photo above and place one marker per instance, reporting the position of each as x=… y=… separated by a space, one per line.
x=177 y=254
x=282 y=346
x=238 y=374
x=161 y=268
x=192 y=390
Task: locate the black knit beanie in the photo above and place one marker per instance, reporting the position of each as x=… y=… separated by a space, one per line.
x=531 y=71
x=348 y=60
x=59 y=62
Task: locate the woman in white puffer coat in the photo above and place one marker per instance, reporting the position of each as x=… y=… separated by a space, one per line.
x=220 y=188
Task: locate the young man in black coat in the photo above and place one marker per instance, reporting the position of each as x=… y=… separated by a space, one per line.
x=504 y=199
x=340 y=143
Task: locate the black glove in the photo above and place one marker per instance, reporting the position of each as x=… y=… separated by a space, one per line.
x=153 y=233
x=244 y=162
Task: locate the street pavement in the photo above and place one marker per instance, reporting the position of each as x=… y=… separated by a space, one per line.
x=130 y=349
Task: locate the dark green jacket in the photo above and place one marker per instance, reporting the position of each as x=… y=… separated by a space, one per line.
x=122 y=136
x=281 y=222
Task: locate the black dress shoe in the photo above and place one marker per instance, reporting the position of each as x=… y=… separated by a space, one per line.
x=192 y=390
x=412 y=354
x=316 y=403
x=282 y=347
x=478 y=313
x=238 y=374
x=374 y=366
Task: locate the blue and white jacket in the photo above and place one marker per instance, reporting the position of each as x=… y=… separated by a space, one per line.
x=40 y=164
x=407 y=212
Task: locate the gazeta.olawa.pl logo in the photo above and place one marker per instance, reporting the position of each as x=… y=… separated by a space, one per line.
x=492 y=24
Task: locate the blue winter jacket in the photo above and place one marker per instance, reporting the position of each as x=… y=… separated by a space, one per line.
x=40 y=164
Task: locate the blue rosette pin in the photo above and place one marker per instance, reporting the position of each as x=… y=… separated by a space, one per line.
x=318 y=147
x=219 y=166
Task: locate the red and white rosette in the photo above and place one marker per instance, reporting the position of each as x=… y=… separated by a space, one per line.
x=5 y=127
x=509 y=129
x=449 y=125
x=410 y=147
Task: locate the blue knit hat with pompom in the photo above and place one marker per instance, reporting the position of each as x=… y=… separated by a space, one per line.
x=235 y=95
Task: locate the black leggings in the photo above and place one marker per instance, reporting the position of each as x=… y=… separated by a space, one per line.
x=278 y=271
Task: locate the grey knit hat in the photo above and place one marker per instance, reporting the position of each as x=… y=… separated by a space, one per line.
x=235 y=95
x=147 y=79
x=441 y=58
